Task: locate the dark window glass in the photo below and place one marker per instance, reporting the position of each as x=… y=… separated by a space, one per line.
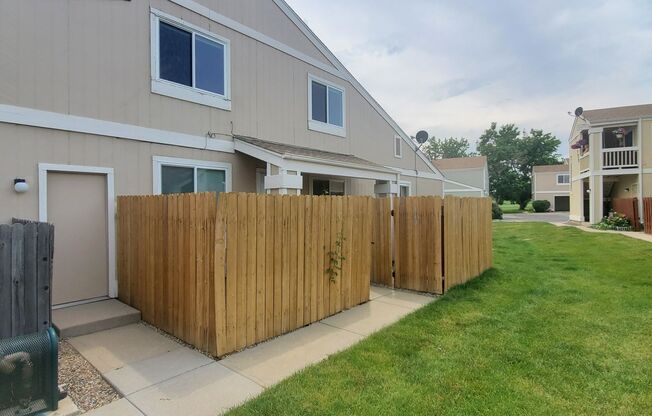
x=318 y=102
x=209 y=65
x=335 y=107
x=320 y=187
x=175 y=54
x=177 y=180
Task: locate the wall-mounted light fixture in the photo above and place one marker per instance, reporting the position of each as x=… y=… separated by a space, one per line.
x=20 y=185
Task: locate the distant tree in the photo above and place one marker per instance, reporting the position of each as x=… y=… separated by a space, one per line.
x=510 y=157
x=447 y=148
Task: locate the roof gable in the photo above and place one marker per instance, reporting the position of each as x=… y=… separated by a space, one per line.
x=618 y=113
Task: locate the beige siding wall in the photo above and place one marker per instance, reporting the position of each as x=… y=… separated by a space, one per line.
x=576 y=199
x=92 y=59
x=646 y=146
x=472 y=177
x=547 y=181
x=647 y=185
x=626 y=186
x=22 y=148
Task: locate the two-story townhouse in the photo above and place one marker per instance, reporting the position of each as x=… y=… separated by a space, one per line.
x=465 y=176
x=552 y=183
x=104 y=98
x=610 y=158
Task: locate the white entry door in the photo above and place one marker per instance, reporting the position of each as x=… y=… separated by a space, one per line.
x=77 y=206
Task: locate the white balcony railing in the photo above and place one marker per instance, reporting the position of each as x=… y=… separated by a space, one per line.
x=620 y=157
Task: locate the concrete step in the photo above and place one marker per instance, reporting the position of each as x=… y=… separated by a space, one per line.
x=93 y=317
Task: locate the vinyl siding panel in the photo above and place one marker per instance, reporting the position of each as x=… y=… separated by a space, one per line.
x=92 y=59
x=131 y=160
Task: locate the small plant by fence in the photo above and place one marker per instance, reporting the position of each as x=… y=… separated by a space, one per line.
x=223 y=275
x=647 y=215
x=26 y=252
x=629 y=208
x=434 y=243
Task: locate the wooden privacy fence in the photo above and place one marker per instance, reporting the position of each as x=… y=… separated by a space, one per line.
x=225 y=274
x=647 y=215
x=26 y=252
x=629 y=208
x=433 y=243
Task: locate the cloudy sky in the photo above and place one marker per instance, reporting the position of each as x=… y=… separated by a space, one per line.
x=454 y=66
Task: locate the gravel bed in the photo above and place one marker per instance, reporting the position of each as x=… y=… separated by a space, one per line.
x=84 y=384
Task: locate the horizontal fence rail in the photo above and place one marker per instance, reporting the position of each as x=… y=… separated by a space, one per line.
x=26 y=253
x=225 y=273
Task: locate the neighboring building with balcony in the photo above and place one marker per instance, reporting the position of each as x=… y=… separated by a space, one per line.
x=552 y=183
x=610 y=160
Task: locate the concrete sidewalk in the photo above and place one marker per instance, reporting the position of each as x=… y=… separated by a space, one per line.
x=639 y=235
x=158 y=376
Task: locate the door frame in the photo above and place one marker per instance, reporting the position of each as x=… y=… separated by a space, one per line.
x=44 y=168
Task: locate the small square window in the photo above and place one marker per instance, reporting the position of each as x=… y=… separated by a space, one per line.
x=188 y=62
x=563 y=179
x=327 y=113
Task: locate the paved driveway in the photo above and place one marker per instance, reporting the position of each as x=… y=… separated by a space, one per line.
x=537 y=217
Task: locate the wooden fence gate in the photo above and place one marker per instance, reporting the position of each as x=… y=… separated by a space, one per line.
x=647 y=215
x=430 y=244
x=26 y=251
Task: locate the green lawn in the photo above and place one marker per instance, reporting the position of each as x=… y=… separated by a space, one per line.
x=510 y=208
x=562 y=325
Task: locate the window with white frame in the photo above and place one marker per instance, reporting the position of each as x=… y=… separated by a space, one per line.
x=326 y=107
x=189 y=63
x=404 y=189
x=327 y=187
x=398 y=146
x=563 y=179
x=176 y=176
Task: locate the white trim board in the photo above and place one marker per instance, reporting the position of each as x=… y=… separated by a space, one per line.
x=314 y=165
x=552 y=192
x=57 y=121
x=339 y=71
x=44 y=168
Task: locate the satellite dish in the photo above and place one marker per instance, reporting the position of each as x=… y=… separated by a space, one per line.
x=579 y=111
x=422 y=137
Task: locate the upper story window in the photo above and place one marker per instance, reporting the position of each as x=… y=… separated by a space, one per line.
x=326 y=107
x=189 y=63
x=398 y=146
x=563 y=179
x=176 y=176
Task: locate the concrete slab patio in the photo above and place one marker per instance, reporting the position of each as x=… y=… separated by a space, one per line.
x=158 y=376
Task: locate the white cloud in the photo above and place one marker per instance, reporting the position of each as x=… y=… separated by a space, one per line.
x=452 y=67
